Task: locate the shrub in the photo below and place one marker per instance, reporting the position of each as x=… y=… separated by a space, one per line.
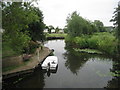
x=105 y=42
x=81 y=42
x=31 y=47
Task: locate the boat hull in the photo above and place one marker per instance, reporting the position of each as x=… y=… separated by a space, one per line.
x=52 y=61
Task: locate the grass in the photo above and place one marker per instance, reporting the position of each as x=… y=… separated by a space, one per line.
x=7 y=51
x=15 y=66
x=56 y=35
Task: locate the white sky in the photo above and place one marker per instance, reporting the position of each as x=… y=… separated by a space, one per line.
x=56 y=11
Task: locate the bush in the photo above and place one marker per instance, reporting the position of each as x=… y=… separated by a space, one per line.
x=93 y=42
x=105 y=42
x=81 y=42
x=31 y=47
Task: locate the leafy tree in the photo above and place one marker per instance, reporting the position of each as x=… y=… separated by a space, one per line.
x=36 y=28
x=99 y=25
x=116 y=20
x=15 y=17
x=57 y=29
x=65 y=29
x=76 y=25
x=50 y=27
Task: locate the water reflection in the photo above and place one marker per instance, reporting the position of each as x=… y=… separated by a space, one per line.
x=114 y=83
x=76 y=70
x=74 y=62
x=49 y=72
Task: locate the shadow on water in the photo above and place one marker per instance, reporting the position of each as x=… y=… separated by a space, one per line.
x=26 y=81
x=34 y=80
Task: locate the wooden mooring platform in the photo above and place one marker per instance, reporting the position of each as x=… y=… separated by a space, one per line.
x=35 y=61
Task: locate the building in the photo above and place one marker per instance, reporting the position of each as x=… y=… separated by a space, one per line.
x=45 y=31
x=52 y=31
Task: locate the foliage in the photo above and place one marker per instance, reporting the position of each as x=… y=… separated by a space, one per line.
x=65 y=29
x=49 y=28
x=57 y=29
x=116 y=20
x=76 y=25
x=99 y=25
x=32 y=46
x=7 y=50
x=97 y=41
x=36 y=28
x=115 y=17
x=21 y=22
x=81 y=42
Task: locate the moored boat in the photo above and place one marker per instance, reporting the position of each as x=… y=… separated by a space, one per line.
x=51 y=62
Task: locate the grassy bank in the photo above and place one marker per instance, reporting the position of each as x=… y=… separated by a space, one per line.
x=104 y=42
x=56 y=35
x=16 y=66
x=7 y=51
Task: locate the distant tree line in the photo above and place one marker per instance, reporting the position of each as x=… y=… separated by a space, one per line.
x=50 y=28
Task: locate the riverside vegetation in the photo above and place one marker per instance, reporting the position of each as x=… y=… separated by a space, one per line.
x=84 y=34
x=104 y=42
x=22 y=27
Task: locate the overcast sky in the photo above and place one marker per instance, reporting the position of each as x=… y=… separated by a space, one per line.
x=56 y=11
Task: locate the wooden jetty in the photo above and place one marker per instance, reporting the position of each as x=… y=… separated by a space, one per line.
x=35 y=61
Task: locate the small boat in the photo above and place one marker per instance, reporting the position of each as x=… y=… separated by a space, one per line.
x=50 y=63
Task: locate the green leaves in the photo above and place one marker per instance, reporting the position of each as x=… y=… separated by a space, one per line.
x=99 y=26
x=76 y=25
x=17 y=16
x=98 y=41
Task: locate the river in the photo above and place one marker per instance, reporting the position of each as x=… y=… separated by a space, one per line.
x=75 y=70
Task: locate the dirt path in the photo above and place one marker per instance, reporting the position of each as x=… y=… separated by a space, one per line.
x=38 y=57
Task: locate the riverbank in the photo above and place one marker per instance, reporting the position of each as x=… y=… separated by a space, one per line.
x=55 y=36
x=13 y=66
x=104 y=42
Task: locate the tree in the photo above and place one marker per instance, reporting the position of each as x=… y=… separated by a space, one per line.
x=50 y=27
x=36 y=28
x=57 y=29
x=65 y=29
x=16 y=17
x=99 y=25
x=77 y=26
x=116 y=20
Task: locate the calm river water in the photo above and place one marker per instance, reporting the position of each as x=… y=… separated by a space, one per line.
x=75 y=70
